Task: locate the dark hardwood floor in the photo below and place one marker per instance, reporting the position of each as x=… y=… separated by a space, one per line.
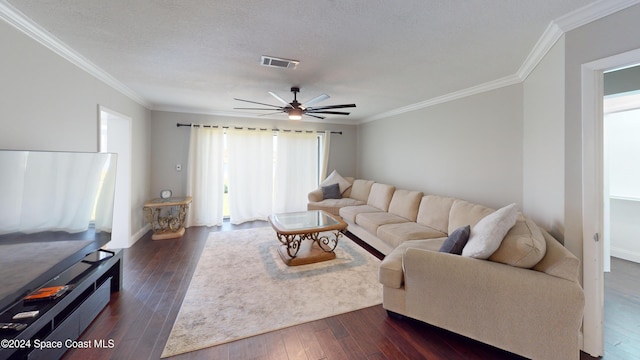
x=156 y=276
x=622 y=311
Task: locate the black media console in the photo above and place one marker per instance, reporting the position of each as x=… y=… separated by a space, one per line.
x=60 y=322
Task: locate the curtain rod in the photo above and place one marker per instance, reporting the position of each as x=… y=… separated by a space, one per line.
x=256 y=128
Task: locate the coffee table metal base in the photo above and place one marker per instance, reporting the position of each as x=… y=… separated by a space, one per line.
x=294 y=251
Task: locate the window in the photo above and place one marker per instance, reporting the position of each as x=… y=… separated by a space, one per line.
x=294 y=168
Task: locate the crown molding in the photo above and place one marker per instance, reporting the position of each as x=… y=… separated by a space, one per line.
x=551 y=35
x=548 y=39
x=21 y=22
x=592 y=12
x=491 y=85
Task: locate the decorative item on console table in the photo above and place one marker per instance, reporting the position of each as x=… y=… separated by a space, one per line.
x=167 y=216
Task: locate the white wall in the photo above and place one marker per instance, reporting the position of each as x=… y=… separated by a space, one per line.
x=47 y=103
x=622 y=151
x=469 y=148
x=170 y=145
x=543 y=143
x=625 y=228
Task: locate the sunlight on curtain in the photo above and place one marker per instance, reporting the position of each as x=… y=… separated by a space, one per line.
x=296 y=170
x=250 y=155
x=205 y=180
x=326 y=145
x=105 y=202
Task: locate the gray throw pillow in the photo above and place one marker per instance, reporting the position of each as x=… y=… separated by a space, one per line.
x=331 y=191
x=456 y=241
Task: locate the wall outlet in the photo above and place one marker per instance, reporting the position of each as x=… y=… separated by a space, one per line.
x=178 y=167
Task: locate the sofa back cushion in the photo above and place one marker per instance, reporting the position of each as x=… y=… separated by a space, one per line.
x=558 y=261
x=347 y=193
x=405 y=203
x=360 y=189
x=523 y=246
x=434 y=212
x=465 y=213
x=380 y=196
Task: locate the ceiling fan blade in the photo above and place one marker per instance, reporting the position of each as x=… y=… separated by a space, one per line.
x=254 y=109
x=321 y=97
x=279 y=98
x=315 y=116
x=332 y=107
x=255 y=102
x=273 y=113
x=329 y=112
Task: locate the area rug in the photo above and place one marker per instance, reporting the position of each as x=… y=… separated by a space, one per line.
x=241 y=288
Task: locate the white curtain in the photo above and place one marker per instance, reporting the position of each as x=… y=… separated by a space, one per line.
x=296 y=170
x=205 y=178
x=250 y=154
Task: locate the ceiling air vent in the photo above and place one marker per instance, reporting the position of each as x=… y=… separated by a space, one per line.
x=278 y=62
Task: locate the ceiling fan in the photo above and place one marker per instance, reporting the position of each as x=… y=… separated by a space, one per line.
x=296 y=110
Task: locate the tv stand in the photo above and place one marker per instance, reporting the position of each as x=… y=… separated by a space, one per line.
x=61 y=321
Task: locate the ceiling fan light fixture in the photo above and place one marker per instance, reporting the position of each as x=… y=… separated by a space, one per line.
x=295 y=114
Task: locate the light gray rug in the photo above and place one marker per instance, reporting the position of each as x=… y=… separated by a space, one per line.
x=241 y=288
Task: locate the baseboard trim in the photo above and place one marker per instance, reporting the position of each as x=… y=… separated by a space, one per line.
x=625 y=254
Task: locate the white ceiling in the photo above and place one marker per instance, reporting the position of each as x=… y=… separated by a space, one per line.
x=196 y=56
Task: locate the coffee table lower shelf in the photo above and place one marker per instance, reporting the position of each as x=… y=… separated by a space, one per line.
x=309 y=253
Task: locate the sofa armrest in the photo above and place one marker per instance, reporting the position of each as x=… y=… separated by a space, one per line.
x=315 y=195
x=504 y=306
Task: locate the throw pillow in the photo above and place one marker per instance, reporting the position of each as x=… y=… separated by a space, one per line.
x=523 y=246
x=486 y=236
x=456 y=241
x=334 y=178
x=331 y=192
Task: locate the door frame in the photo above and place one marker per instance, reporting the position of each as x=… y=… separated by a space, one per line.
x=121 y=236
x=593 y=194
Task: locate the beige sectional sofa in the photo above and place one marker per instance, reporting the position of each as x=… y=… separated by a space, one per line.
x=524 y=297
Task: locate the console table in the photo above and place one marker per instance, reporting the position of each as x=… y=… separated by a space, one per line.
x=167 y=216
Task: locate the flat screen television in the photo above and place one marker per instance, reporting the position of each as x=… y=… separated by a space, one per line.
x=55 y=208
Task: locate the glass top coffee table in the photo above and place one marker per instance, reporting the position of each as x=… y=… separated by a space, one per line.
x=293 y=228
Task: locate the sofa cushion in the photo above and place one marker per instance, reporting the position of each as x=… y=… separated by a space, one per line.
x=336 y=178
x=434 y=212
x=380 y=196
x=372 y=220
x=331 y=192
x=349 y=213
x=390 y=272
x=333 y=206
x=524 y=246
x=456 y=241
x=405 y=203
x=396 y=234
x=465 y=213
x=487 y=235
x=360 y=189
x=558 y=261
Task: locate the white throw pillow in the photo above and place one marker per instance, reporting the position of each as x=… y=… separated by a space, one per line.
x=486 y=236
x=335 y=178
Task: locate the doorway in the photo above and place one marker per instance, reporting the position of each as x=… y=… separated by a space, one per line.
x=593 y=194
x=115 y=137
